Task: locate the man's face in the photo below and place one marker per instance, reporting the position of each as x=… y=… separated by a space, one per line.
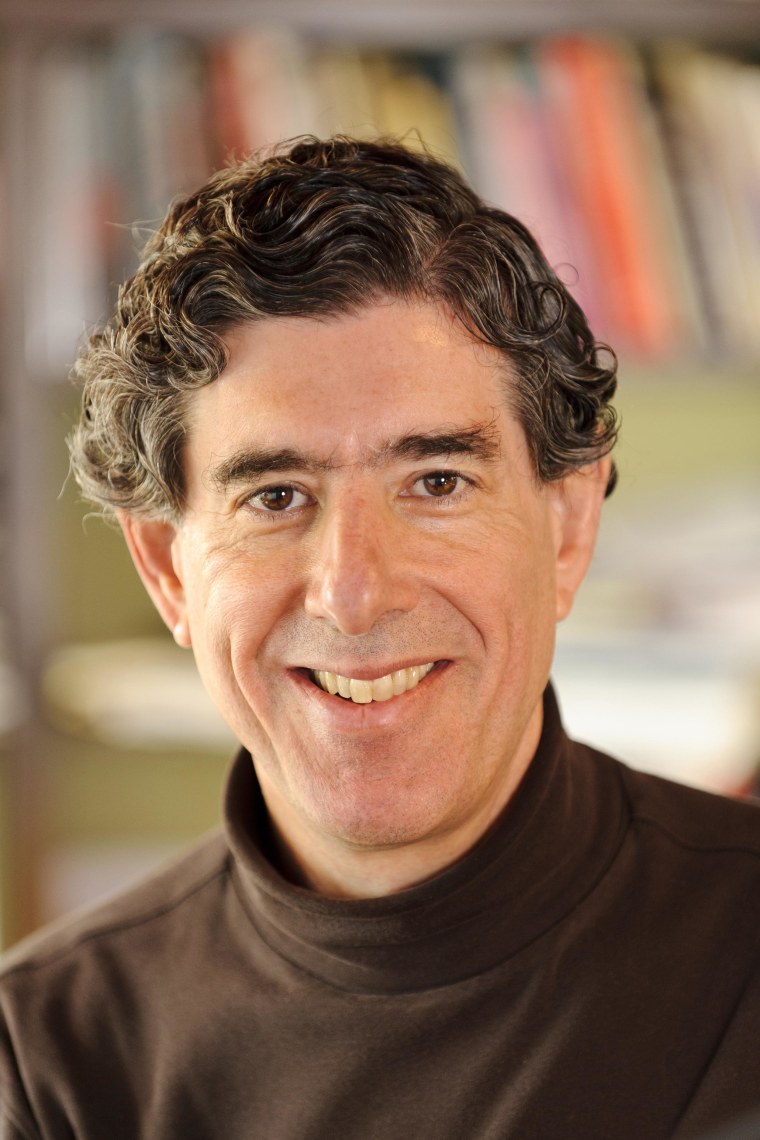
x=361 y=502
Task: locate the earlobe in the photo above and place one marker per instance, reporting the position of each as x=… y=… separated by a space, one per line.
x=153 y=546
x=577 y=500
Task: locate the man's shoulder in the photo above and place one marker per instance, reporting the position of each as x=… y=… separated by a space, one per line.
x=149 y=900
x=690 y=817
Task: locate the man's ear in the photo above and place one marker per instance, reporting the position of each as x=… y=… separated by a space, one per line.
x=577 y=501
x=153 y=546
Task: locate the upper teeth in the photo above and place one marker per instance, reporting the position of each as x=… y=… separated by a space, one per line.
x=381 y=689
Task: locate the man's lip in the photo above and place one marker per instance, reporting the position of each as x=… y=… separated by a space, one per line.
x=357 y=718
x=364 y=672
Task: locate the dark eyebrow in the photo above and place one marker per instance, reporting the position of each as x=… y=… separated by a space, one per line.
x=481 y=441
x=252 y=462
x=249 y=464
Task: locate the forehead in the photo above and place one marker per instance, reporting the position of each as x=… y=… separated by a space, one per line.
x=348 y=383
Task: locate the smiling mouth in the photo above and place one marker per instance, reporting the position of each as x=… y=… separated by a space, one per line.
x=379 y=689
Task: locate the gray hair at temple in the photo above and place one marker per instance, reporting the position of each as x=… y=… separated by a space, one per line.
x=321 y=228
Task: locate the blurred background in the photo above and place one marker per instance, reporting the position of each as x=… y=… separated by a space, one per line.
x=626 y=135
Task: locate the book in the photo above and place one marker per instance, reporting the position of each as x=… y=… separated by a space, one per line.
x=260 y=90
x=511 y=162
x=342 y=94
x=712 y=112
x=408 y=103
x=64 y=274
x=602 y=129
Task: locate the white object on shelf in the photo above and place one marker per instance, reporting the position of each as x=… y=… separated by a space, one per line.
x=663 y=706
x=133 y=693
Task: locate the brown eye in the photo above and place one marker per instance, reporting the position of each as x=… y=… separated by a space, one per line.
x=276 y=498
x=441 y=483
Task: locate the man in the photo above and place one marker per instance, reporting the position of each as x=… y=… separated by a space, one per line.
x=357 y=436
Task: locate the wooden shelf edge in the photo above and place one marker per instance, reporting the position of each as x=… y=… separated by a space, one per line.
x=428 y=23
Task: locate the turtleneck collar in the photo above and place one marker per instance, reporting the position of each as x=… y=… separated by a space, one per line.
x=553 y=842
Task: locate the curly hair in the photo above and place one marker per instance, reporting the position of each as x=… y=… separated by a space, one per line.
x=324 y=228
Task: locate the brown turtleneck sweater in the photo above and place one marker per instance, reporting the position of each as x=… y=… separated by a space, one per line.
x=589 y=971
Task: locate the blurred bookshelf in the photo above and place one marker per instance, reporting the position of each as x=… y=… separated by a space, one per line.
x=626 y=136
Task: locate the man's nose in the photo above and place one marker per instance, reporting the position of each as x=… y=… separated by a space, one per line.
x=361 y=569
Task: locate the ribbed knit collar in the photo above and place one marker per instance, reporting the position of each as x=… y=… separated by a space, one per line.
x=553 y=843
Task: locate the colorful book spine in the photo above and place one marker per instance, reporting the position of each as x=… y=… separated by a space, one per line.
x=600 y=120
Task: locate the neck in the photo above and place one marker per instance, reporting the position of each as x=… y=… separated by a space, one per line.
x=334 y=867
x=341 y=871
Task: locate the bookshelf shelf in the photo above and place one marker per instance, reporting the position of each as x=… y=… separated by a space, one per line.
x=396 y=23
